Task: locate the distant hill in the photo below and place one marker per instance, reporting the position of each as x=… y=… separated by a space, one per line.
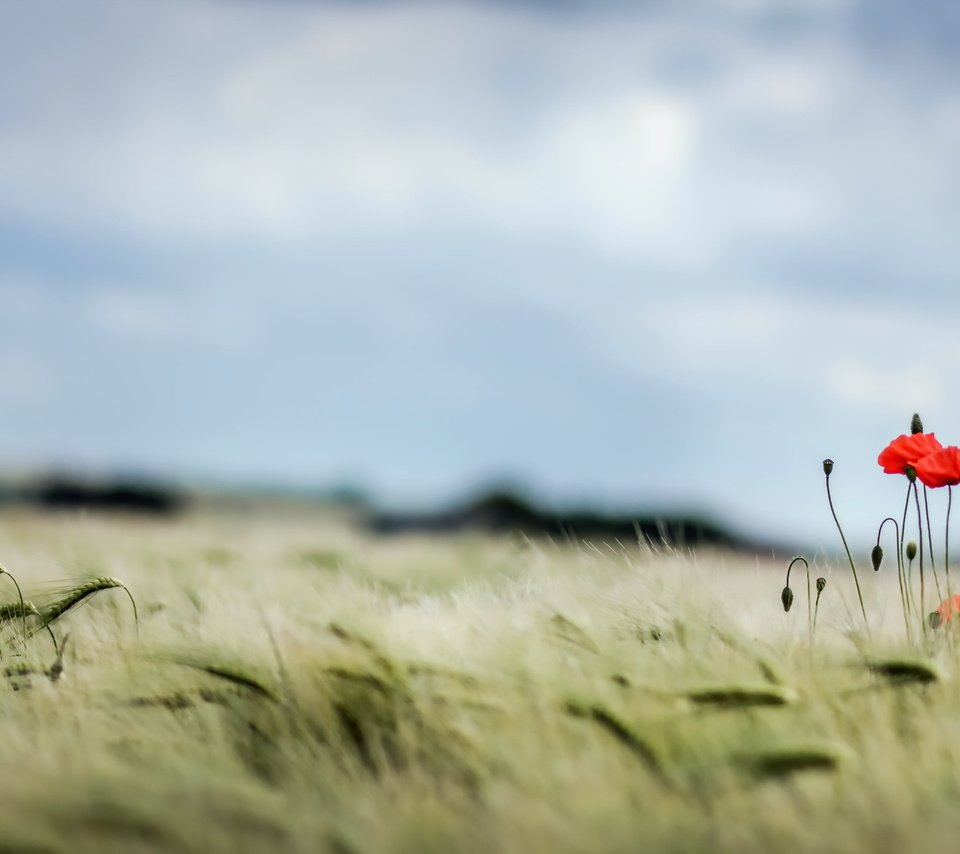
x=65 y=492
x=505 y=512
x=495 y=512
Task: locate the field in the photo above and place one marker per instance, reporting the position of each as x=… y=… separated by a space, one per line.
x=294 y=685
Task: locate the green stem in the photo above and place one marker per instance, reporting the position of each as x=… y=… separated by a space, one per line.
x=913 y=599
x=843 y=539
x=900 y=578
x=908 y=575
x=806 y=566
x=946 y=543
x=923 y=605
x=933 y=566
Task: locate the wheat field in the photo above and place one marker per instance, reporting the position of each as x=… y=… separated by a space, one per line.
x=293 y=684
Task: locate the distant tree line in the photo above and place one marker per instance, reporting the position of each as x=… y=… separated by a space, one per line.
x=63 y=492
x=503 y=512
x=495 y=512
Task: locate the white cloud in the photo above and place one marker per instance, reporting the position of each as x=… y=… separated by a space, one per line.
x=346 y=120
x=879 y=359
x=200 y=314
x=895 y=390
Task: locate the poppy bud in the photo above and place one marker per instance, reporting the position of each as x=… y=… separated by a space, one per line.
x=876 y=555
x=911 y=550
x=910 y=472
x=827 y=467
x=916 y=425
x=787 y=598
x=935 y=620
x=821 y=583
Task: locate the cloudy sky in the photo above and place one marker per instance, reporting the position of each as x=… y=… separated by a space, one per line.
x=641 y=254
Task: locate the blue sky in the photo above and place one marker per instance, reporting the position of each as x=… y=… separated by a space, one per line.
x=640 y=254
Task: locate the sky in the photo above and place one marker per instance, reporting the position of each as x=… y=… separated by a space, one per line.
x=644 y=255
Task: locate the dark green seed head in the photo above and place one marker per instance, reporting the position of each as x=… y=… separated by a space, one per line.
x=935 y=620
x=903 y=671
x=910 y=472
x=916 y=425
x=787 y=598
x=827 y=467
x=911 y=550
x=821 y=584
x=876 y=555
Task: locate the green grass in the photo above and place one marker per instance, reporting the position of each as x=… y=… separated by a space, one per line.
x=296 y=686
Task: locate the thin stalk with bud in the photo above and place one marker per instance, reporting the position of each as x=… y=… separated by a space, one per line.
x=827 y=471
x=786 y=596
x=876 y=557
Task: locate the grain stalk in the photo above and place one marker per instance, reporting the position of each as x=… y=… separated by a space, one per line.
x=76 y=595
x=23 y=616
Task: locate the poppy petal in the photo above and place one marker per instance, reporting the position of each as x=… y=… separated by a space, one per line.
x=941 y=468
x=906 y=451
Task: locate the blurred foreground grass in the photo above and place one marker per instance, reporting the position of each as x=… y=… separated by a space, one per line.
x=299 y=687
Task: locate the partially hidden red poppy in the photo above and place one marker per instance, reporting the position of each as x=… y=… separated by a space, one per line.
x=907 y=451
x=941 y=468
x=948 y=608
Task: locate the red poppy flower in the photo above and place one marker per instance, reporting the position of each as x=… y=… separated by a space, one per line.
x=907 y=451
x=941 y=468
x=948 y=608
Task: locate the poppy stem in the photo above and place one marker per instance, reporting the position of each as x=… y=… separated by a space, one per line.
x=933 y=566
x=900 y=578
x=806 y=566
x=908 y=575
x=946 y=543
x=843 y=539
x=913 y=599
x=916 y=498
x=816 y=606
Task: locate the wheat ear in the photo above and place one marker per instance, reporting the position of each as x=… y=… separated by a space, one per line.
x=79 y=593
